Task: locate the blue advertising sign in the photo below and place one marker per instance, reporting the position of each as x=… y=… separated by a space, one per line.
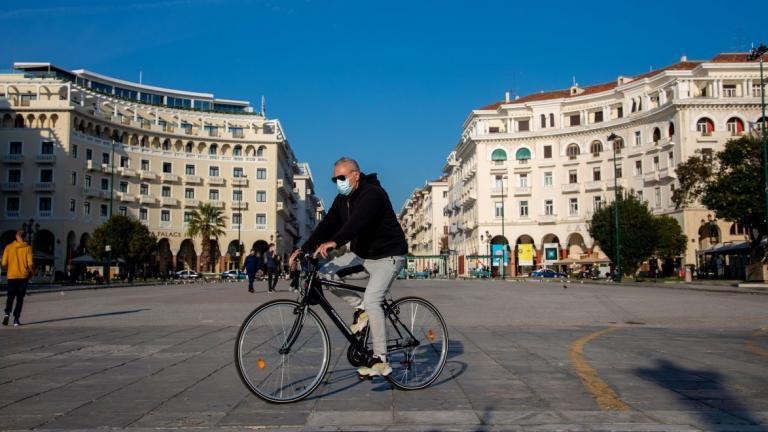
x=499 y=252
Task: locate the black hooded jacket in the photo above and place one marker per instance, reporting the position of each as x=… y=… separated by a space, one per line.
x=366 y=219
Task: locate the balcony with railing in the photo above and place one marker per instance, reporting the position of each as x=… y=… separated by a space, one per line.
x=126 y=197
x=169 y=202
x=651 y=177
x=106 y=168
x=239 y=205
x=44 y=186
x=216 y=181
x=522 y=190
x=547 y=219
x=147 y=175
x=193 y=179
x=92 y=166
x=147 y=199
x=127 y=172
x=45 y=158
x=596 y=185
x=217 y=203
x=170 y=177
x=13 y=158
x=191 y=202
x=240 y=182
x=12 y=186
x=571 y=187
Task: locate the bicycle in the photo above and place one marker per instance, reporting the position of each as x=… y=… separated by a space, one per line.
x=283 y=349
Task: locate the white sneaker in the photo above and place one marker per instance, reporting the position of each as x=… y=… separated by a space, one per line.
x=379 y=368
x=359 y=321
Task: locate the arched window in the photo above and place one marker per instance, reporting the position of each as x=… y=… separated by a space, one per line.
x=671 y=130
x=166 y=145
x=237 y=151
x=596 y=147
x=634 y=105
x=543 y=121
x=551 y=120
x=656 y=135
x=523 y=155
x=499 y=156
x=737 y=229
x=188 y=147
x=260 y=151
x=705 y=125
x=572 y=151
x=735 y=126
x=213 y=149
x=760 y=122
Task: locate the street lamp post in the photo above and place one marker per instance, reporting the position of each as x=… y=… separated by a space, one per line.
x=612 y=139
x=490 y=258
x=755 y=54
x=30 y=229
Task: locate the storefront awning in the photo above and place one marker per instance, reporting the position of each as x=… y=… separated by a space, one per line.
x=727 y=248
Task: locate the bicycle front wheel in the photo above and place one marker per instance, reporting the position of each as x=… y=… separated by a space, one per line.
x=277 y=371
x=417 y=343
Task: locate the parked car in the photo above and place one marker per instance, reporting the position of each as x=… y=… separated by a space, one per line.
x=481 y=273
x=233 y=275
x=406 y=274
x=186 y=274
x=548 y=273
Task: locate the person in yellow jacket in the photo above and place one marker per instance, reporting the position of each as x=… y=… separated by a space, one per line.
x=17 y=260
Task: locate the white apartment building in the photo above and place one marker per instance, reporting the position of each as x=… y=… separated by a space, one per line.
x=423 y=220
x=64 y=133
x=309 y=205
x=531 y=170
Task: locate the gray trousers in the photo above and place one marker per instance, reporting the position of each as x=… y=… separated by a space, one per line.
x=381 y=273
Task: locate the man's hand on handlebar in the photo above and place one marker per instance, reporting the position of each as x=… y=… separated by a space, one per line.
x=293 y=256
x=322 y=250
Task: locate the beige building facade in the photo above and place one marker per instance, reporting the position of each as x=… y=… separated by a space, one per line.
x=423 y=220
x=531 y=170
x=66 y=134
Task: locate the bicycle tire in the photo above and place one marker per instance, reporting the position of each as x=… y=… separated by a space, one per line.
x=418 y=367
x=281 y=377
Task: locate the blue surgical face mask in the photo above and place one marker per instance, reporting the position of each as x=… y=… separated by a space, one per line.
x=344 y=187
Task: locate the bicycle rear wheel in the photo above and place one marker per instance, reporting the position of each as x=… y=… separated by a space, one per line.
x=417 y=343
x=287 y=375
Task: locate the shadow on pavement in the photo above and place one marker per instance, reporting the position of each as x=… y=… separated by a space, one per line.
x=704 y=392
x=87 y=316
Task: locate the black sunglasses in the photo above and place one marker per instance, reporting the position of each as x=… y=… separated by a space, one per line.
x=340 y=177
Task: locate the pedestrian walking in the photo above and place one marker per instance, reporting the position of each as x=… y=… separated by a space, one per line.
x=17 y=260
x=295 y=273
x=251 y=266
x=271 y=262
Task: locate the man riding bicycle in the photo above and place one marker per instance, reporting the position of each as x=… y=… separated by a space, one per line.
x=362 y=215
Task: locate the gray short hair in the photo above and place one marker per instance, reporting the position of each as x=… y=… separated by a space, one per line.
x=345 y=159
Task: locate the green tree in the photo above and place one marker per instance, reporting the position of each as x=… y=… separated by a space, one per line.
x=129 y=239
x=730 y=183
x=670 y=240
x=206 y=222
x=637 y=227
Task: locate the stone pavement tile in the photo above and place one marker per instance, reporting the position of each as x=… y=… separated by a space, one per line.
x=642 y=427
x=700 y=418
x=443 y=417
x=8 y=422
x=276 y=419
x=556 y=427
x=600 y=417
x=521 y=417
x=351 y=418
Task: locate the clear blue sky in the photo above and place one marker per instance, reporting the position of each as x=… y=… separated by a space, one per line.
x=389 y=83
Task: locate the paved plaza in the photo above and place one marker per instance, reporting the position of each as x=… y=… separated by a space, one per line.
x=523 y=356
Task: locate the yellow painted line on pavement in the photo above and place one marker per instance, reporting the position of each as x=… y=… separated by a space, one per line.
x=753 y=346
x=606 y=398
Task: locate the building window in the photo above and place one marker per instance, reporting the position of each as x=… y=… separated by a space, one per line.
x=597 y=202
x=189 y=193
x=166 y=192
x=499 y=213
x=187 y=217
x=735 y=126
x=619 y=171
x=238 y=150
x=547 y=152
x=165 y=216
x=144 y=165
x=499 y=156
x=657 y=197
x=573 y=176
x=261 y=173
x=523 y=126
x=549 y=208
x=596 y=174
x=104 y=184
x=236 y=219
x=261 y=219
x=638 y=138
x=46 y=147
x=213 y=171
x=548 y=179
x=105 y=158
x=638 y=167
x=523 y=155
x=88 y=154
x=596 y=148
x=87 y=180
x=260 y=151
x=729 y=90
x=12 y=205
x=237 y=172
x=237 y=195
x=72 y=205
x=598 y=116
x=14 y=176
x=123 y=211
x=213 y=194
x=573 y=206
x=639 y=195
x=655 y=163
x=46 y=175
x=123 y=187
x=144 y=189
x=670 y=159
x=188 y=147
x=523 y=209
x=574 y=119
x=261 y=196
x=705 y=126
x=656 y=135
x=73 y=151
x=572 y=151
x=543 y=121
x=167 y=167
x=523 y=180
x=551 y=120
x=189 y=169
x=125 y=162
x=103 y=210
x=73 y=178
x=87 y=208
x=143 y=214
x=45 y=206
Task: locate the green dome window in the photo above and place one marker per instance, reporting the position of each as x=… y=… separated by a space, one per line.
x=523 y=154
x=499 y=155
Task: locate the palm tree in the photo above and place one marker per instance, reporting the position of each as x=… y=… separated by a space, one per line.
x=206 y=221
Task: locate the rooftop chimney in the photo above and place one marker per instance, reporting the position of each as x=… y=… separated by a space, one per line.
x=683 y=58
x=506 y=97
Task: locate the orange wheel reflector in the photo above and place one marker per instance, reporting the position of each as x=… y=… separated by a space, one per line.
x=431 y=335
x=262 y=364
